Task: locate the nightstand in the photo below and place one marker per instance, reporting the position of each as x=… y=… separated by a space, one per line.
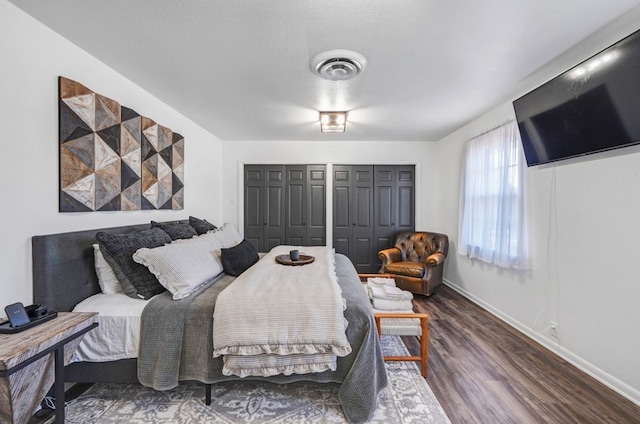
x=30 y=361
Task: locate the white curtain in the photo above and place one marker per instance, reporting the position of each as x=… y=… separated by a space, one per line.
x=493 y=225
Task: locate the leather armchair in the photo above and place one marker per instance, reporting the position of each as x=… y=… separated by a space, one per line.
x=417 y=261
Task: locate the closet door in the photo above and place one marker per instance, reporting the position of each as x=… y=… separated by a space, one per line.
x=284 y=205
x=405 y=217
x=296 y=205
x=372 y=204
x=385 y=210
x=342 y=209
x=254 y=186
x=394 y=210
x=274 y=207
x=353 y=214
x=316 y=205
x=362 y=220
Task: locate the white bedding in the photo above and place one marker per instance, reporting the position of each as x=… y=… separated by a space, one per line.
x=118 y=333
x=277 y=319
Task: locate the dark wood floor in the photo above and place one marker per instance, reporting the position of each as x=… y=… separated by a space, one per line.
x=484 y=371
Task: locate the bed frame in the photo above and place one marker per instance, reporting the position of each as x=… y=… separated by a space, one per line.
x=64 y=275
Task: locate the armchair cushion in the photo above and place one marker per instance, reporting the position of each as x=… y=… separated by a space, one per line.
x=412 y=269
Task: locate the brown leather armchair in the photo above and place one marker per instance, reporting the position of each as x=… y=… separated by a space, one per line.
x=417 y=261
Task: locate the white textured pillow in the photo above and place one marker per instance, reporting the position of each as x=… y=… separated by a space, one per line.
x=184 y=265
x=107 y=280
x=227 y=235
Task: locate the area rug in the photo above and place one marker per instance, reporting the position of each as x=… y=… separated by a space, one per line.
x=407 y=399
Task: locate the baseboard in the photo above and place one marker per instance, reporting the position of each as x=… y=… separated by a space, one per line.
x=607 y=379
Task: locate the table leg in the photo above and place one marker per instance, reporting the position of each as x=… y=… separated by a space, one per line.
x=58 y=385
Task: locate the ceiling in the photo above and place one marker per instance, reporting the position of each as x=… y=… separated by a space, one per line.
x=241 y=68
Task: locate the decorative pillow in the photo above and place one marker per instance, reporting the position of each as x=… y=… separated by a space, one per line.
x=202 y=226
x=237 y=259
x=184 y=265
x=227 y=235
x=118 y=250
x=107 y=280
x=176 y=230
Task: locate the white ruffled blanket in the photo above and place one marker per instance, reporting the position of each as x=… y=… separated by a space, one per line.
x=277 y=319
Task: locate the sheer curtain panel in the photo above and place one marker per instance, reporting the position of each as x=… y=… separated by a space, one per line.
x=493 y=218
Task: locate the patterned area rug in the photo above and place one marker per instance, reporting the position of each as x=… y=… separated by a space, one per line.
x=407 y=399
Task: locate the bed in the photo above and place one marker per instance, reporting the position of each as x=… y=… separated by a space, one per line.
x=64 y=276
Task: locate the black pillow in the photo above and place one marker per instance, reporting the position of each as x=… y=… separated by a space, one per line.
x=176 y=230
x=237 y=259
x=201 y=226
x=118 y=249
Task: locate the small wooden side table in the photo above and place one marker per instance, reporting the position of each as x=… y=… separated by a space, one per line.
x=28 y=358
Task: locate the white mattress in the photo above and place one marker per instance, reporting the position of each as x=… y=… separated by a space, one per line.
x=118 y=333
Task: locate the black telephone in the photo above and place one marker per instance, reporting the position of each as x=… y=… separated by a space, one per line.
x=20 y=315
x=17 y=314
x=36 y=311
x=24 y=317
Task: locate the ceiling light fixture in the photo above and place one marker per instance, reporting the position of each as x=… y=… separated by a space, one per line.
x=333 y=122
x=338 y=65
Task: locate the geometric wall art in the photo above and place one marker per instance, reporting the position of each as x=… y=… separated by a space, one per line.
x=111 y=158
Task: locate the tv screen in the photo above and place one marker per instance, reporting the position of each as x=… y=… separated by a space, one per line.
x=590 y=108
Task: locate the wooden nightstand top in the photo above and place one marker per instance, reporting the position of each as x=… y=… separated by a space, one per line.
x=18 y=347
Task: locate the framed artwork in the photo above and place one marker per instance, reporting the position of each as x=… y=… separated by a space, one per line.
x=112 y=158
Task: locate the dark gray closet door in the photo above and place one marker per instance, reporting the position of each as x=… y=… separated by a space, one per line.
x=385 y=206
x=342 y=209
x=371 y=204
x=363 y=242
x=406 y=199
x=394 y=205
x=316 y=205
x=285 y=205
x=274 y=211
x=353 y=214
x=254 y=176
x=296 y=205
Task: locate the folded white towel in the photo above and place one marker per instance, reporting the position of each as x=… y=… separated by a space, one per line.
x=391 y=305
x=389 y=293
x=397 y=293
x=382 y=281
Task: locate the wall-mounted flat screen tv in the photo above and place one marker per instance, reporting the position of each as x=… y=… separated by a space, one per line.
x=590 y=108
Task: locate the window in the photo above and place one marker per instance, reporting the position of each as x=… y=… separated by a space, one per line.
x=493 y=224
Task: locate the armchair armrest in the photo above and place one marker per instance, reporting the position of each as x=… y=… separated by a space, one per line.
x=390 y=255
x=435 y=259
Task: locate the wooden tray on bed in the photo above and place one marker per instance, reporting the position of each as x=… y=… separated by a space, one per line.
x=286 y=260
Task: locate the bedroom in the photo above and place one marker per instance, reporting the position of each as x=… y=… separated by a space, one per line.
x=592 y=214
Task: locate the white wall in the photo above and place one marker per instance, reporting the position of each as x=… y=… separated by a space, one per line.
x=32 y=59
x=584 y=225
x=240 y=153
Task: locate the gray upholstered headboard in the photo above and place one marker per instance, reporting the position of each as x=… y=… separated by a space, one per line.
x=63 y=266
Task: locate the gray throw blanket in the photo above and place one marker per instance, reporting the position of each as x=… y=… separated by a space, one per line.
x=176 y=344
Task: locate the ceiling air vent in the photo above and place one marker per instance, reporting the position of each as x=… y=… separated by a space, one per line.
x=338 y=65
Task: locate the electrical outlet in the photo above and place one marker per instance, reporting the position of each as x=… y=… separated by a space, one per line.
x=553 y=329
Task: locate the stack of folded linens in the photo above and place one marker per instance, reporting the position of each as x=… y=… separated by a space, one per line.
x=386 y=297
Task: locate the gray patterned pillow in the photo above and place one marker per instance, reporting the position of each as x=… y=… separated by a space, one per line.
x=118 y=250
x=176 y=230
x=202 y=226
